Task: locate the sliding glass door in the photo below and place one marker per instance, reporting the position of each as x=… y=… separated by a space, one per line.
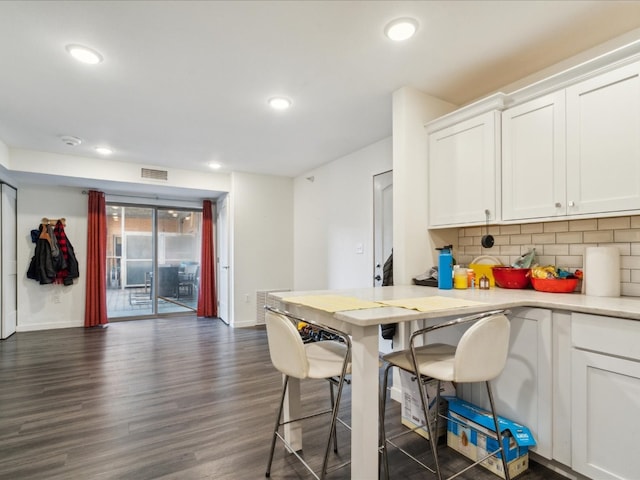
x=153 y=259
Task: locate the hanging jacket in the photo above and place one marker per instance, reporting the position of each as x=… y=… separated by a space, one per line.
x=42 y=267
x=68 y=267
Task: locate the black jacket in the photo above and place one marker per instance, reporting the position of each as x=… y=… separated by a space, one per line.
x=42 y=267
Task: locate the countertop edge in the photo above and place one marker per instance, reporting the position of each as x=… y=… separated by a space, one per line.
x=618 y=307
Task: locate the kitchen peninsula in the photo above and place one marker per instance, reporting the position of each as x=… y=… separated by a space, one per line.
x=571 y=356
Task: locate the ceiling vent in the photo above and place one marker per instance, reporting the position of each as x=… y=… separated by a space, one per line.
x=71 y=141
x=154 y=174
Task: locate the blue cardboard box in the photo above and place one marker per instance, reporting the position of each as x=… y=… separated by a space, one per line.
x=471 y=431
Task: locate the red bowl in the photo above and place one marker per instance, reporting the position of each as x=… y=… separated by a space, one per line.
x=555 y=285
x=510 y=277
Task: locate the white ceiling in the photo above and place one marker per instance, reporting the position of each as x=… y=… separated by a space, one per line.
x=186 y=83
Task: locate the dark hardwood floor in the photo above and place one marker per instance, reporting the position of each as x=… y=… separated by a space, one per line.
x=171 y=398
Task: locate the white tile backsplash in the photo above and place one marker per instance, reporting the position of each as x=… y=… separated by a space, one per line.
x=599 y=236
x=509 y=229
x=626 y=236
x=583 y=225
x=556 y=227
x=615 y=223
x=562 y=244
x=544 y=238
x=569 y=237
x=520 y=239
x=532 y=228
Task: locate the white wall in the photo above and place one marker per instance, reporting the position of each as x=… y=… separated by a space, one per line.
x=261 y=253
x=333 y=214
x=31 y=161
x=261 y=222
x=42 y=307
x=413 y=251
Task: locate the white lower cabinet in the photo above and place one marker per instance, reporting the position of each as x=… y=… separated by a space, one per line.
x=523 y=392
x=605 y=416
x=561 y=430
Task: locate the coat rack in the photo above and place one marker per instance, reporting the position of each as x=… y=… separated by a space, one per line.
x=53 y=221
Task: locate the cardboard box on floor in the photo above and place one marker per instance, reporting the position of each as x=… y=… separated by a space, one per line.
x=412 y=414
x=471 y=431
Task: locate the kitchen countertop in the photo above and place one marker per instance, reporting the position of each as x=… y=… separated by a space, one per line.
x=621 y=307
x=362 y=325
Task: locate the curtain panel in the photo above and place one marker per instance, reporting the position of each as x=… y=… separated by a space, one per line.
x=207 y=302
x=95 y=311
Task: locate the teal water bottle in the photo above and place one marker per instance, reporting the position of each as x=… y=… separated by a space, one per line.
x=445 y=267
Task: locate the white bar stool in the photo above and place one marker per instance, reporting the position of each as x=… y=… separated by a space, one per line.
x=327 y=359
x=479 y=356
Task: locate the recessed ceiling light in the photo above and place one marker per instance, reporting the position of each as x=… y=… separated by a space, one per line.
x=84 y=54
x=214 y=165
x=401 y=29
x=279 y=103
x=104 y=150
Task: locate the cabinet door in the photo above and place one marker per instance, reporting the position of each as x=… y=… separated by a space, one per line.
x=561 y=336
x=605 y=388
x=523 y=391
x=603 y=143
x=605 y=416
x=533 y=159
x=462 y=171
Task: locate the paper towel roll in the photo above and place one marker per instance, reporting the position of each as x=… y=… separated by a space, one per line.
x=602 y=271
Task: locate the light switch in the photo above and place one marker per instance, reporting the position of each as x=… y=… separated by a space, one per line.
x=359 y=248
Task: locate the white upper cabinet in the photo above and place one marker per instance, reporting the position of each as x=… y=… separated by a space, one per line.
x=463 y=167
x=603 y=143
x=568 y=147
x=575 y=151
x=533 y=159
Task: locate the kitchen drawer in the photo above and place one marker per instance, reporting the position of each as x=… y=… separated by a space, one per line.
x=613 y=336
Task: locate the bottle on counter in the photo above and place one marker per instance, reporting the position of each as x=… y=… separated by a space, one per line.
x=483 y=283
x=445 y=267
x=471 y=278
x=460 y=279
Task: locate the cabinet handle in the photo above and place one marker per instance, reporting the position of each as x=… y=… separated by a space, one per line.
x=572 y=204
x=558 y=205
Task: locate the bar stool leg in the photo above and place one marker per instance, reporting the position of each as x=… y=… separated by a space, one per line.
x=437 y=407
x=275 y=429
x=432 y=438
x=333 y=404
x=384 y=463
x=332 y=431
x=495 y=422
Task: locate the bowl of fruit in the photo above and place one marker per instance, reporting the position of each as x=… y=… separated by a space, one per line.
x=554 y=280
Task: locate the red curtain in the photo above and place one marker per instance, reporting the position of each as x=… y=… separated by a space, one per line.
x=95 y=309
x=207 y=304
